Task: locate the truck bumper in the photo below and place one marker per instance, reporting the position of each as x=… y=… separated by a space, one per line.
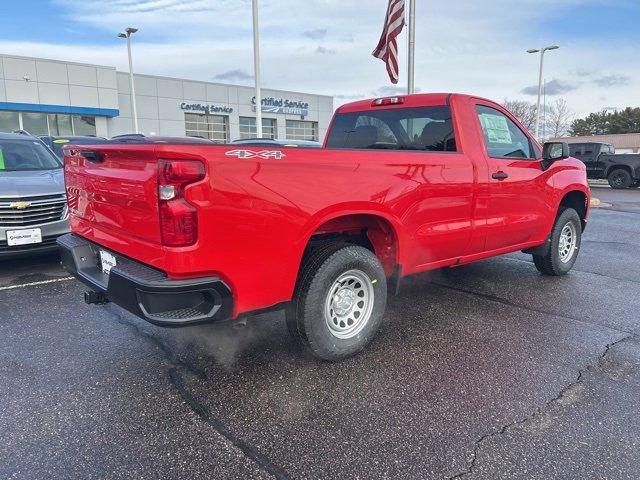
x=145 y=291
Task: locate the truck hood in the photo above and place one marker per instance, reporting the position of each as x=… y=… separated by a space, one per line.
x=31 y=183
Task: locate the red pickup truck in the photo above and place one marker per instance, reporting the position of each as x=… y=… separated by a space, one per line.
x=181 y=233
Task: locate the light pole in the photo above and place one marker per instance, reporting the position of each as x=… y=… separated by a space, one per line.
x=256 y=67
x=134 y=111
x=541 y=50
x=412 y=47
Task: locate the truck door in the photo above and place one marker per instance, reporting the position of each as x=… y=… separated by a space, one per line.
x=515 y=211
x=599 y=164
x=591 y=155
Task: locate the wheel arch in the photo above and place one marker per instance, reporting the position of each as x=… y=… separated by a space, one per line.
x=373 y=229
x=578 y=200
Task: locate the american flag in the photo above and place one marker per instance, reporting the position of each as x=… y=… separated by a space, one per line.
x=387 y=49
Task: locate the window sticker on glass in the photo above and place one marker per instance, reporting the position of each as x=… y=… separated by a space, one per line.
x=1 y=160
x=495 y=128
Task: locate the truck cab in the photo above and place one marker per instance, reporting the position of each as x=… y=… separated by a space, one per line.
x=589 y=153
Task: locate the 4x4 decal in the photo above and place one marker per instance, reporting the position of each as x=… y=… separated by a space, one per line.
x=265 y=154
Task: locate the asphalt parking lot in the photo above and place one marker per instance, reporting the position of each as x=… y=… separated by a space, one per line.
x=484 y=371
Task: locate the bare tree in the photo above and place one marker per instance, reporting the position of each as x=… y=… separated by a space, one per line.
x=523 y=111
x=558 y=119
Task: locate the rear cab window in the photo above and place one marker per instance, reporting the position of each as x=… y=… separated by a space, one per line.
x=427 y=129
x=503 y=138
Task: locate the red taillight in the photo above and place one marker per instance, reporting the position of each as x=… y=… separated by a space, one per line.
x=178 y=218
x=387 y=101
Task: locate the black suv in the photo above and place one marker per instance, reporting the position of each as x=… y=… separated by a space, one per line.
x=621 y=171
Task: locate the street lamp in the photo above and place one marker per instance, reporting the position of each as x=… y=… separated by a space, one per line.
x=134 y=111
x=256 y=67
x=541 y=50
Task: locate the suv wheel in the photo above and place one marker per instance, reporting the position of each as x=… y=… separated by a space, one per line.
x=620 y=178
x=340 y=301
x=565 y=244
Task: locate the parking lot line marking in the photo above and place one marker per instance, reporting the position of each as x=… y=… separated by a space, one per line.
x=43 y=282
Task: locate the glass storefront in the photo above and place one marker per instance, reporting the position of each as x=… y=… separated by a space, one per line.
x=35 y=123
x=9 y=121
x=83 y=125
x=248 y=127
x=213 y=127
x=60 y=124
x=47 y=123
x=302 y=130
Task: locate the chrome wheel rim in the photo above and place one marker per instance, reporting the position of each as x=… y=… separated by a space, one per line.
x=568 y=242
x=349 y=304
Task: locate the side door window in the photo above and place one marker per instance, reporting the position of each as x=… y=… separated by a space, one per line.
x=575 y=150
x=503 y=138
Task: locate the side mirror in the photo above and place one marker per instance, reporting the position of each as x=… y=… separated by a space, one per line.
x=553 y=151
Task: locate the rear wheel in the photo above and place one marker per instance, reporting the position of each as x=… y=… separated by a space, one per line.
x=565 y=244
x=620 y=178
x=635 y=185
x=340 y=300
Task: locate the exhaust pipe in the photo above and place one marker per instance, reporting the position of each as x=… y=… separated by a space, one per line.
x=240 y=323
x=95 y=298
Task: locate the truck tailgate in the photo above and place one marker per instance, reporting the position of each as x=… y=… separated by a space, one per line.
x=116 y=192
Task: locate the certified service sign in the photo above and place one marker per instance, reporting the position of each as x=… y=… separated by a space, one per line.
x=205 y=107
x=282 y=105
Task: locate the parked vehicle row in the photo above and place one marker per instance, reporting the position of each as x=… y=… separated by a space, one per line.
x=187 y=233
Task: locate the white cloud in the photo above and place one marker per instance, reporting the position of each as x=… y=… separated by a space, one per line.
x=552 y=87
x=465 y=46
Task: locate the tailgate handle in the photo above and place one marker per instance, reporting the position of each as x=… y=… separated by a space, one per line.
x=92 y=155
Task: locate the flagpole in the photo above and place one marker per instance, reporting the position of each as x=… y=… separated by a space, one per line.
x=412 y=46
x=256 y=68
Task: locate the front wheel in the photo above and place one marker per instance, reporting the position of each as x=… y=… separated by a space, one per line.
x=565 y=244
x=619 y=178
x=340 y=301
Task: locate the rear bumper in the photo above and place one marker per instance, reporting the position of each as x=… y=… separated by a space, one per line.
x=145 y=291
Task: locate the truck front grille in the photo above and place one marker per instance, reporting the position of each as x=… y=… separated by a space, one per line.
x=29 y=211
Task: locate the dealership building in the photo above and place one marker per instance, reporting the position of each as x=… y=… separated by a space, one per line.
x=50 y=97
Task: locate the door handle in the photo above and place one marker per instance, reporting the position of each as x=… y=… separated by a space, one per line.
x=499 y=175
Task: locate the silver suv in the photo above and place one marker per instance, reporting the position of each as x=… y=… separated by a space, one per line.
x=33 y=207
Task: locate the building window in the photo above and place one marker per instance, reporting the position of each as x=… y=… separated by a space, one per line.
x=55 y=124
x=35 y=123
x=302 y=130
x=213 y=127
x=9 y=121
x=60 y=124
x=248 y=127
x=83 y=125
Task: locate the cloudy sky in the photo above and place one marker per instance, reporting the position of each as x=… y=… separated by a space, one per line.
x=324 y=46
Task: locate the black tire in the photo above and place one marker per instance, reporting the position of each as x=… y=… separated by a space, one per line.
x=552 y=263
x=619 y=178
x=636 y=184
x=307 y=320
x=309 y=261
